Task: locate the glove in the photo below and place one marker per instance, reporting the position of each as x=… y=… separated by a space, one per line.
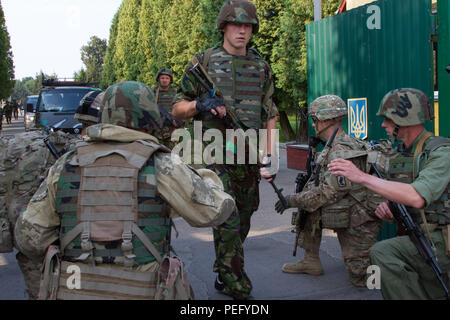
x=279 y=207
x=208 y=103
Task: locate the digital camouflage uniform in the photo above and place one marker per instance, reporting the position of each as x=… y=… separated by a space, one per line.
x=164 y=98
x=247 y=86
x=404 y=273
x=108 y=205
x=335 y=203
x=24 y=161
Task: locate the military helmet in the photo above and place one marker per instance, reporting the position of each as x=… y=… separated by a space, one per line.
x=132 y=105
x=327 y=107
x=240 y=11
x=165 y=71
x=88 y=109
x=406 y=107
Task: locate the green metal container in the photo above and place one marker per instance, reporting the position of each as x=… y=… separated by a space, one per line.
x=368 y=51
x=443 y=109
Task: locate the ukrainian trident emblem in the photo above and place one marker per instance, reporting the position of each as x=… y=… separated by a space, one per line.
x=357 y=117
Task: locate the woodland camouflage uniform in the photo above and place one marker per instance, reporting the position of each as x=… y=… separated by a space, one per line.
x=164 y=98
x=247 y=86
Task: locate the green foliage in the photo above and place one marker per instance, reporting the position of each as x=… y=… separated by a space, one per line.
x=92 y=56
x=147 y=35
x=109 y=72
x=6 y=60
x=28 y=86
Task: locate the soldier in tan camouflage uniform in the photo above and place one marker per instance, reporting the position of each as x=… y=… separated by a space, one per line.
x=24 y=161
x=245 y=80
x=332 y=202
x=106 y=207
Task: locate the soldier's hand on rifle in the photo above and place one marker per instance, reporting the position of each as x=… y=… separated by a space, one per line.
x=280 y=207
x=214 y=105
x=265 y=169
x=384 y=213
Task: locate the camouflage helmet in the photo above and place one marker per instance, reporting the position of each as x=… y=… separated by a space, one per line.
x=132 y=105
x=406 y=107
x=165 y=71
x=88 y=111
x=240 y=11
x=327 y=107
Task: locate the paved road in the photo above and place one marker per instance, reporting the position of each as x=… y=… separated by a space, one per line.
x=268 y=247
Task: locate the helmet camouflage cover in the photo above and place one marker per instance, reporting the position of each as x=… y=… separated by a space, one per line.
x=327 y=107
x=406 y=107
x=239 y=11
x=88 y=110
x=132 y=105
x=165 y=71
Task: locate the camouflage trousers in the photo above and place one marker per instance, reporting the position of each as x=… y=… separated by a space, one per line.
x=31 y=271
x=241 y=182
x=356 y=242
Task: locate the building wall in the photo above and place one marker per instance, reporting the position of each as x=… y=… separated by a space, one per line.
x=357 y=3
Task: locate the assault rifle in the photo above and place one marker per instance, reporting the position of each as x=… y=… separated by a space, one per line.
x=57 y=154
x=312 y=170
x=416 y=235
x=208 y=84
x=52 y=149
x=166 y=117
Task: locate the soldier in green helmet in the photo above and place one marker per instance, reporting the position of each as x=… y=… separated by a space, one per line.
x=419 y=176
x=164 y=94
x=333 y=202
x=106 y=208
x=246 y=82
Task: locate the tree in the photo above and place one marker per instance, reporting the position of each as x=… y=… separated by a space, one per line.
x=124 y=59
x=92 y=56
x=109 y=72
x=6 y=60
x=80 y=75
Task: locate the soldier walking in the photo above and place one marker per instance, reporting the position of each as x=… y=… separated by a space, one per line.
x=246 y=83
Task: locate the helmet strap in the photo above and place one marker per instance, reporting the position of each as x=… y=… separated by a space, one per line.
x=326 y=128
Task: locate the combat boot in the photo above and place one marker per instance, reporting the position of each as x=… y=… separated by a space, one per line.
x=310 y=264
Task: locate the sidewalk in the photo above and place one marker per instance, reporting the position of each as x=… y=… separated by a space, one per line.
x=269 y=245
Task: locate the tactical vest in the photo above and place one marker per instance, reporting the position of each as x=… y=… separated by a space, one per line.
x=404 y=167
x=337 y=215
x=110 y=208
x=241 y=80
x=165 y=97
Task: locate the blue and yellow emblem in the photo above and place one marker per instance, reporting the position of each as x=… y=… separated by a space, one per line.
x=357 y=117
